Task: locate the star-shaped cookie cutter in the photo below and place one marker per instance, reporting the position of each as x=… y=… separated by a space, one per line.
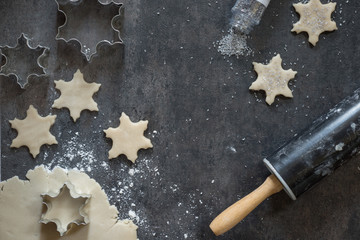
x=65 y=208
x=90 y=23
x=19 y=60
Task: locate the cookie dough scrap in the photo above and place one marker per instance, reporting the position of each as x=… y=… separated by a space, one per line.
x=22 y=205
x=65 y=208
x=76 y=95
x=33 y=131
x=315 y=18
x=273 y=79
x=128 y=138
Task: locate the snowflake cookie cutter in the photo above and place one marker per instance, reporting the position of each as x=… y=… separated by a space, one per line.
x=19 y=60
x=95 y=25
x=66 y=208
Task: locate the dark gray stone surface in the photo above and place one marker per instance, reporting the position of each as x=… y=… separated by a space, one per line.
x=209 y=132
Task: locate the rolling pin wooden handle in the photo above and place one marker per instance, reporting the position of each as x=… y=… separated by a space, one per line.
x=239 y=210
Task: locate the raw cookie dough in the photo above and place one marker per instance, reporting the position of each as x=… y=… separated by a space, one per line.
x=273 y=79
x=65 y=208
x=315 y=18
x=76 y=95
x=128 y=138
x=21 y=208
x=33 y=131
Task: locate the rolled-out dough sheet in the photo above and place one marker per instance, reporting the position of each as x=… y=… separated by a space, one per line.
x=21 y=208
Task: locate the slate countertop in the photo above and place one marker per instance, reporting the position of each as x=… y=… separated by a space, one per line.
x=210 y=133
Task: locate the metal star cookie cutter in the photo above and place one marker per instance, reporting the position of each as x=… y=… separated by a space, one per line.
x=19 y=60
x=58 y=208
x=90 y=23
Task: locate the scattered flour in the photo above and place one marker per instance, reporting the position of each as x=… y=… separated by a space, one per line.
x=231 y=148
x=76 y=152
x=131 y=172
x=339 y=147
x=133 y=216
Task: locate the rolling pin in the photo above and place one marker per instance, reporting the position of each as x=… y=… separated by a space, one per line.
x=303 y=161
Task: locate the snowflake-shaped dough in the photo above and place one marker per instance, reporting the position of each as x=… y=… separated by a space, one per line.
x=128 y=138
x=76 y=95
x=273 y=79
x=65 y=208
x=315 y=18
x=33 y=131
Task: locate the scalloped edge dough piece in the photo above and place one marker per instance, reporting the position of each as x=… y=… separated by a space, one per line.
x=21 y=208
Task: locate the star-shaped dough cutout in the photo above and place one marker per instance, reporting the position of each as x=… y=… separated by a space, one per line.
x=33 y=131
x=65 y=209
x=76 y=95
x=315 y=18
x=128 y=138
x=273 y=79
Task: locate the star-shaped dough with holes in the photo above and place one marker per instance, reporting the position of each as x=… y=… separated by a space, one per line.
x=128 y=138
x=76 y=95
x=273 y=79
x=315 y=18
x=33 y=131
x=65 y=208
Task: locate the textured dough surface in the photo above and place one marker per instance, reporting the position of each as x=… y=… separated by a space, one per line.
x=76 y=95
x=273 y=79
x=33 y=131
x=128 y=138
x=315 y=18
x=21 y=208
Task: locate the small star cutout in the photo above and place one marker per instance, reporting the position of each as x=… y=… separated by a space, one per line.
x=33 y=131
x=76 y=95
x=273 y=79
x=65 y=209
x=128 y=138
x=315 y=18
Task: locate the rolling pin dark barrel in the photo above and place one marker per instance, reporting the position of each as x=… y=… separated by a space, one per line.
x=303 y=161
x=318 y=151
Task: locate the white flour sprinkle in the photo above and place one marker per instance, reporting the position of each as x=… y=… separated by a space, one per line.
x=133 y=216
x=339 y=147
x=75 y=150
x=131 y=172
x=234 y=44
